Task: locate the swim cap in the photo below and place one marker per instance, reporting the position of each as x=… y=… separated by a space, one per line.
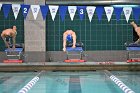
x=69 y=38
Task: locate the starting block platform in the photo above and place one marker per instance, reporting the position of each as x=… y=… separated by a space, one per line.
x=15 y=50
x=78 y=51
x=13 y=56
x=133 y=60
x=74 y=60
x=131 y=48
x=133 y=52
x=12 y=61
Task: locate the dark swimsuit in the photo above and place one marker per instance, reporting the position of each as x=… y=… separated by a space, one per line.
x=7 y=38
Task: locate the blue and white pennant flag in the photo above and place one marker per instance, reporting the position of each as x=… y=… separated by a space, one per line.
x=0 y=6
x=35 y=9
x=127 y=12
x=90 y=12
x=99 y=11
x=53 y=10
x=16 y=8
x=81 y=11
x=136 y=13
x=44 y=10
x=6 y=9
x=109 y=12
x=118 y=12
x=62 y=11
x=25 y=10
x=72 y=11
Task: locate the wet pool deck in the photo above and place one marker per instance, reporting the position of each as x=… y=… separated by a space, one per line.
x=35 y=66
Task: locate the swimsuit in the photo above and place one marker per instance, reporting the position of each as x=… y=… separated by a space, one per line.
x=7 y=38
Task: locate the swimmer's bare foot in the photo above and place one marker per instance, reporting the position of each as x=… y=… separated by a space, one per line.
x=73 y=46
x=13 y=48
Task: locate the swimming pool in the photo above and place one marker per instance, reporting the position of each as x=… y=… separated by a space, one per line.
x=68 y=82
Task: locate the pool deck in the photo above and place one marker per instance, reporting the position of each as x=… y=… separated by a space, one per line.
x=38 y=66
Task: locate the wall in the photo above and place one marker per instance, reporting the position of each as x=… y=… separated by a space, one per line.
x=102 y=40
x=96 y=35
x=8 y=22
x=90 y=56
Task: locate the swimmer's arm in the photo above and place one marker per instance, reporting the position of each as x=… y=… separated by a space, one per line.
x=134 y=26
x=64 y=41
x=74 y=40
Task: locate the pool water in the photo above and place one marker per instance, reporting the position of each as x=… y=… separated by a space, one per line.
x=69 y=82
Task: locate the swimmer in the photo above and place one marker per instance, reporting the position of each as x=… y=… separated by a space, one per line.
x=69 y=36
x=137 y=30
x=8 y=34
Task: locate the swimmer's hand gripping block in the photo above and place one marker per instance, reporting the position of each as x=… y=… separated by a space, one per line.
x=79 y=44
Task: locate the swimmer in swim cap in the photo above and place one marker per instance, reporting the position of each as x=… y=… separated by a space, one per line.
x=7 y=34
x=69 y=36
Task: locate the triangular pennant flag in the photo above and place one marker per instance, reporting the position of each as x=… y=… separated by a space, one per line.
x=53 y=10
x=99 y=11
x=81 y=11
x=44 y=10
x=127 y=12
x=35 y=9
x=118 y=11
x=6 y=9
x=62 y=11
x=16 y=8
x=136 y=13
x=25 y=9
x=109 y=11
x=90 y=12
x=72 y=11
x=0 y=6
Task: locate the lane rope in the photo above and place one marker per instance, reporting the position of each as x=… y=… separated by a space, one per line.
x=30 y=84
x=122 y=86
x=118 y=82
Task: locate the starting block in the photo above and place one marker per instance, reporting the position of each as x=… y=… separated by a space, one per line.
x=78 y=51
x=13 y=56
x=12 y=61
x=134 y=51
x=133 y=60
x=74 y=60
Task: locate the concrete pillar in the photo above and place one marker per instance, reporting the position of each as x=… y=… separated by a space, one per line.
x=34 y=35
x=34 y=30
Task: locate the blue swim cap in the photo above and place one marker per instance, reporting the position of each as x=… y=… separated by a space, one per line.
x=69 y=38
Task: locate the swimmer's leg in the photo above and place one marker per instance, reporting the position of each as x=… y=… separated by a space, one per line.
x=138 y=41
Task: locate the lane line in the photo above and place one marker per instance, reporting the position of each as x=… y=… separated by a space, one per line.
x=118 y=82
x=30 y=84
